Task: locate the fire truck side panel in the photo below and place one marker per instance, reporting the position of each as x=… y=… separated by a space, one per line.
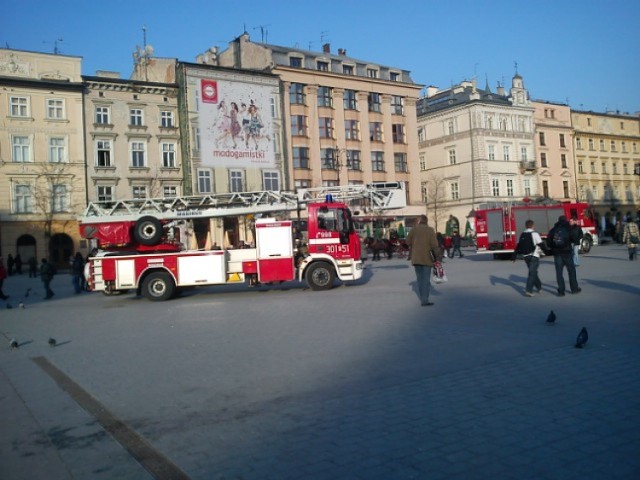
x=201 y=269
x=276 y=270
x=495 y=228
x=274 y=242
x=125 y=274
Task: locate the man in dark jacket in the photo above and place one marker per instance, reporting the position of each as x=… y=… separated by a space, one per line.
x=576 y=239
x=423 y=252
x=559 y=242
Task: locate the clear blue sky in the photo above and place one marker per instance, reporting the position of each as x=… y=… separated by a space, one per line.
x=584 y=52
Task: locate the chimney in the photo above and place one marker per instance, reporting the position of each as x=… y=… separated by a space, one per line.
x=326 y=48
x=431 y=91
x=342 y=51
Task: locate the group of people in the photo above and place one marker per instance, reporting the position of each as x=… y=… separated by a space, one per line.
x=238 y=124
x=46 y=272
x=450 y=244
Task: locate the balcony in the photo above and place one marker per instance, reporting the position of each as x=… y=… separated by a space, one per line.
x=528 y=166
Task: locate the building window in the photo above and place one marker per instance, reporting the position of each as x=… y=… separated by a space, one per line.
x=298 y=184
x=634 y=147
x=591 y=147
x=169 y=191
x=452 y=156
x=602 y=145
x=593 y=167
x=236 y=181
x=137 y=154
x=604 y=167
x=397 y=104
x=57 y=150
x=322 y=66
x=400 y=162
x=372 y=73
x=139 y=191
x=19 y=106
x=421 y=134
x=624 y=147
x=542 y=140
x=204 y=181
x=451 y=127
x=582 y=193
x=351 y=130
x=295 y=62
x=625 y=169
x=21 y=149
x=135 y=117
x=543 y=160
x=168 y=155
x=347 y=69
x=455 y=194
x=354 y=161
x=375 y=131
x=527 y=187
x=614 y=167
x=613 y=146
x=23 y=199
x=545 y=189
x=55 y=108
x=103 y=153
x=105 y=193
x=298 y=125
x=326 y=127
x=562 y=142
x=271 y=181
x=563 y=160
x=166 y=119
x=580 y=167
x=509 y=187
x=578 y=143
x=325 y=97
x=594 y=192
x=423 y=162
x=102 y=115
x=273 y=106
x=506 y=152
x=397 y=133
x=60 y=200
x=328 y=159
x=296 y=94
x=524 y=154
x=492 y=152
x=196 y=139
x=300 y=157
x=350 y=100
x=374 y=101
x=377 y=161
x=495 y=187
x=565 y=189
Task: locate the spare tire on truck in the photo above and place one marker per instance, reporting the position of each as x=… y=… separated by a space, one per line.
x=148 y=231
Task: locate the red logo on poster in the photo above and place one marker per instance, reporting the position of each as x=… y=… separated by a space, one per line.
x=209 y=91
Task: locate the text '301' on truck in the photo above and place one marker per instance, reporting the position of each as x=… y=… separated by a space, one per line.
x=150 y=245
x=498 y=228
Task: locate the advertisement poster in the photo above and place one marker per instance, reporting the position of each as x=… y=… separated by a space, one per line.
x=236 y=127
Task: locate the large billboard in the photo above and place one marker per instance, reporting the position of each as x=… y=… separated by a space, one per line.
x=236 y=128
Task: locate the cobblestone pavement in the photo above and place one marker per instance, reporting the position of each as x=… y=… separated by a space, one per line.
x=356 y=383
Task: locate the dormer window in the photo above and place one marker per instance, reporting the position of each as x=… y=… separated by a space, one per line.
x=372 y=73
x=394 y=76
x=295 y=62
x=347 y=69
x=322 y=66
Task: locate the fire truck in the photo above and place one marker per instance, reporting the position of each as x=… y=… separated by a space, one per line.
x=498 y=228
x=144 y=244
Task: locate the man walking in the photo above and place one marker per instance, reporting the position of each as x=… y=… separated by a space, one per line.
x=631 y=237
x=559 y=241
x=46 y=274
x=423 y=251
x=530 y=247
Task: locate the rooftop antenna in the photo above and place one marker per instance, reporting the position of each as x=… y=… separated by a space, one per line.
x=322 y=36
x=56 y=50
x=264 y=33
x=515 y=63
x=144 y=54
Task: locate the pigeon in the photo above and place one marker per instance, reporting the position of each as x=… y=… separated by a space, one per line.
x=551 y=319
x=583 y=336
x=13 y=343
x=21 y=305
x=52 y=342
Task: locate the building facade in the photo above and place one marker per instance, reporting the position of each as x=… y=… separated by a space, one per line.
x=554 y=151
x=476 y=148
x=607 y=159
x=347 y=121
x=132 y=139
x=42 y=158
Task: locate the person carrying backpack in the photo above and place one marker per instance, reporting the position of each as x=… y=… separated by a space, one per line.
x=530 y=247
x=559 y=242
x=631 y=237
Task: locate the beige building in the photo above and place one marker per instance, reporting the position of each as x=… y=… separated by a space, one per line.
x=132 y=139
x=607 y=150
x=554 y=151
x=476 y=148
x=347 y=121
x=42 y=179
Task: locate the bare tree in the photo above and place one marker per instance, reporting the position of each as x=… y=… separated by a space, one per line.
x=436 y=198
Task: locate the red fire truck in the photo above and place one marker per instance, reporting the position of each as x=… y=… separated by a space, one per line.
x=144 y=244
x=498 y=228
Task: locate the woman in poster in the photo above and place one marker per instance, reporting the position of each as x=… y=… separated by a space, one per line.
x=235 y=128
x=223 y=125
x=255 y=124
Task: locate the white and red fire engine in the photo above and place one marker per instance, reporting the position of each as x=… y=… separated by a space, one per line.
x=143 y=244
x=498 y=228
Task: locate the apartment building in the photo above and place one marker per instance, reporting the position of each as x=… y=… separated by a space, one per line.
x=133 y=144
x=476 y=148
x=42 y=180
x=607 y=159
x=554 y=151
x=348 y=121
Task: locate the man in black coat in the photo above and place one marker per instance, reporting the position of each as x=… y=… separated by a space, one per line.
x=559 y=242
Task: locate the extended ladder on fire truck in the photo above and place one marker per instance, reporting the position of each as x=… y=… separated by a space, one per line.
x=375 y=197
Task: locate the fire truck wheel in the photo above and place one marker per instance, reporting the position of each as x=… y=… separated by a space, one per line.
x=148 y=230
x=320 y=276
x=158 y=286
